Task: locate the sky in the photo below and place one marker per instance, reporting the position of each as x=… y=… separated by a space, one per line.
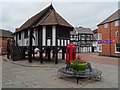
x=86 y=14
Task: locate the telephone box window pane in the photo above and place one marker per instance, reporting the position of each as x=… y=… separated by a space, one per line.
x=68 y=53
x=73 y=53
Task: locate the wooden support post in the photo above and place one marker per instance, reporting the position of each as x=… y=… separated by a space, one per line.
x=49 y=54
x=63 y=54
x=33 y=53
x=53 y=56
x=46 y=53
x=56 y=57
x=23 y=51
x=30 y=46
x=41 y=56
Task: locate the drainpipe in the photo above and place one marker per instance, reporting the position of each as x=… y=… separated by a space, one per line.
x=110 y=37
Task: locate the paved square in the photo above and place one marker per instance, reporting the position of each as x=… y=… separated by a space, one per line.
x=21 y=74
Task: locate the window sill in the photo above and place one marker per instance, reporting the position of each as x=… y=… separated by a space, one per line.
x=117 y=52
x=116 y=25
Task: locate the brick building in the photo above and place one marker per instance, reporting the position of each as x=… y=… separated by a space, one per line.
x=4 y=36
x=109 y=35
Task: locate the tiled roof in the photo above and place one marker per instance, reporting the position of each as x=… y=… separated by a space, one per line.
x=113 y=17
x=5 y=33
x=83 y=30
x=48 y=16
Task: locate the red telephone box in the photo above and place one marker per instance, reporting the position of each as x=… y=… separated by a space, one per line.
x=70 y=53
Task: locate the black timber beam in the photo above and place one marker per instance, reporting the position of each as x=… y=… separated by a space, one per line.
x=23 y=51
x=63 y=53
x=49 y=54
x=56 y=56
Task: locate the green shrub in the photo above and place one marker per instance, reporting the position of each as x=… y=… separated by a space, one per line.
x=78 y=66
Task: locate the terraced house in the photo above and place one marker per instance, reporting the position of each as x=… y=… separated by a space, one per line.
x=109 y=35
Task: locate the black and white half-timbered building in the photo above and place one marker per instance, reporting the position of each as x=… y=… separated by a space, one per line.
x=83 y=38
x=47 y=31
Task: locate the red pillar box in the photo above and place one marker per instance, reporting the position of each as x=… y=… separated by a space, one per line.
x=70 y=53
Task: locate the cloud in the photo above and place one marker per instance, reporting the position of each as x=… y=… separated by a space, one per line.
x=87 y=14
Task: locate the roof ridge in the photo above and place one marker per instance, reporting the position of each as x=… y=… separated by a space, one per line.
x=64 y=19
x=42 y=11
x=40 y=17
x=49 y=7
x=56 y=17
x=45 y=16
x=111 y=15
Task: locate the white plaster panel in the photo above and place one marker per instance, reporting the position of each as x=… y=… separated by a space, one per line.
x=44 y=36
x=53 y=35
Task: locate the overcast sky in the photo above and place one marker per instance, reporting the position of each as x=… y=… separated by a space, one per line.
x=86 y=14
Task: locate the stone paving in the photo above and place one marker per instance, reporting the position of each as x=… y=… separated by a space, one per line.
x=21 y=74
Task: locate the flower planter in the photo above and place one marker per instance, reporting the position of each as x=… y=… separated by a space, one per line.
x=78 y=66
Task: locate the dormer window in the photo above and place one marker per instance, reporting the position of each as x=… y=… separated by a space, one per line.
x=106 y=25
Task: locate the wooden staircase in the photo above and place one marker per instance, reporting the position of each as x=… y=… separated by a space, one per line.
x=14 y=50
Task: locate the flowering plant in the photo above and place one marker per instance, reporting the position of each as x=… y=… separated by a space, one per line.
x=78 y=65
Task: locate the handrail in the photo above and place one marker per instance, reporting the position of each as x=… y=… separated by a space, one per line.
x=18 y=48
x=11 y=46
x=10 y=49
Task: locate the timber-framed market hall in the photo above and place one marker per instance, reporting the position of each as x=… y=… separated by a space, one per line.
x=47 y=31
